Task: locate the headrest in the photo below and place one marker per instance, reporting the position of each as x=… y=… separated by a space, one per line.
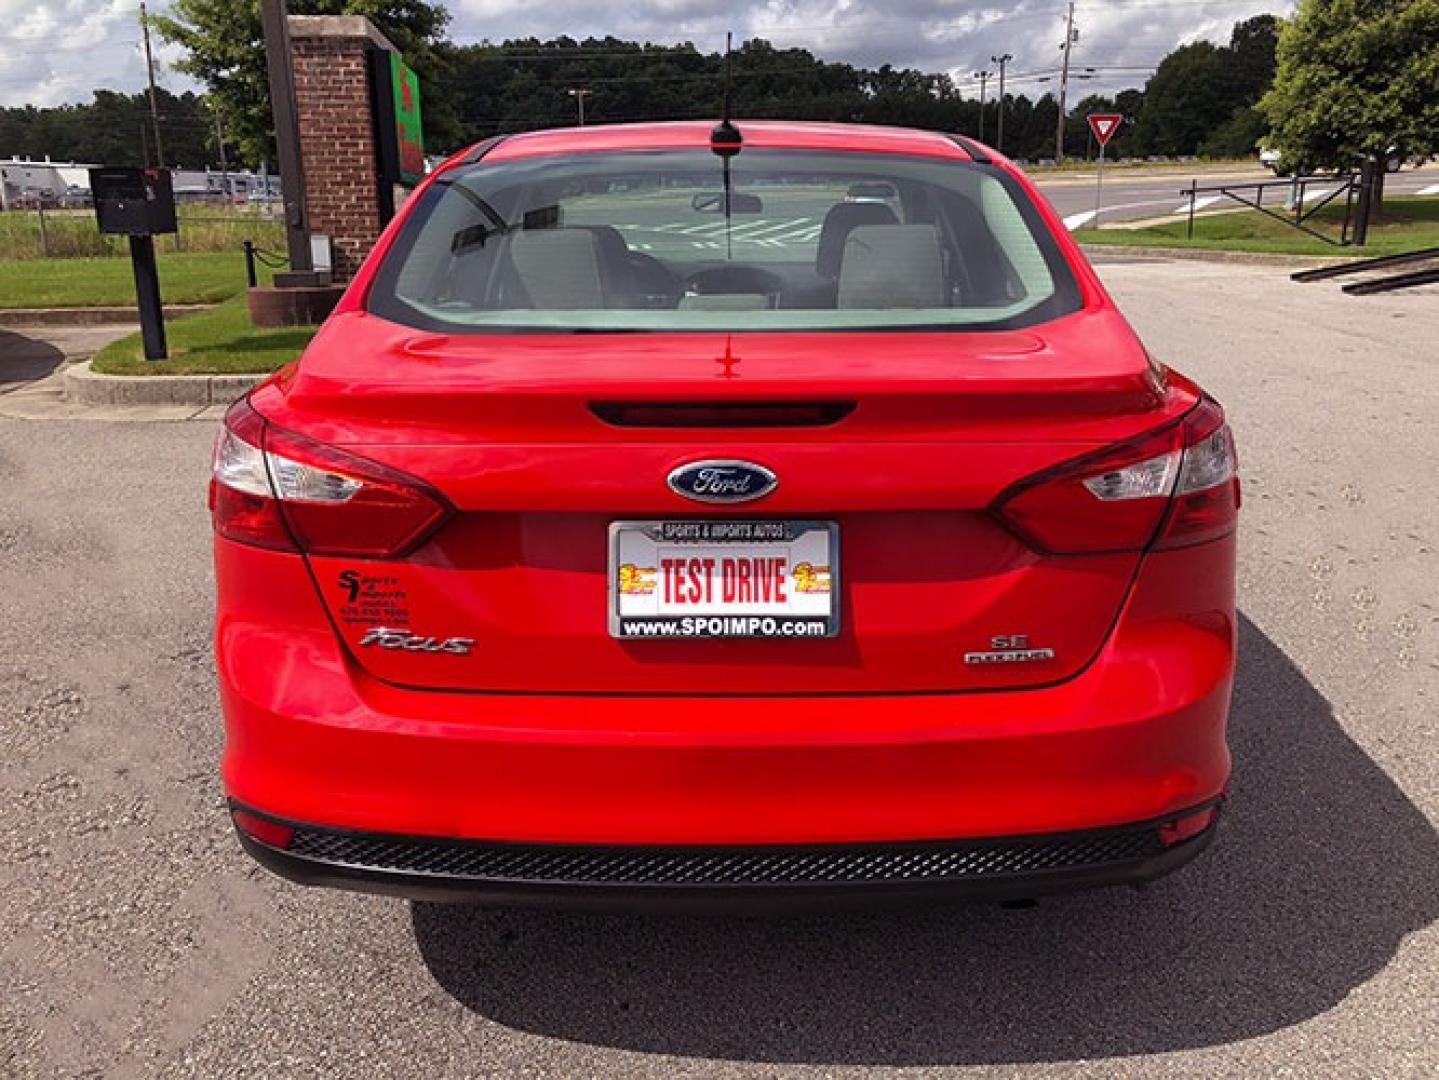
x=838 y=223
x=892 y=266
x=559 y=268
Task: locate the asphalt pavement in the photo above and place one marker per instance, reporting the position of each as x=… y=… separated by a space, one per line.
x=1140 y=194
x=136 y=938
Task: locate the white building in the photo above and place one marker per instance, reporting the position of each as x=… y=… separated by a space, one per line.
x=243 y=184
x=24 y=182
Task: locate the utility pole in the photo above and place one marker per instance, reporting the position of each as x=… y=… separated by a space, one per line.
x=281 y=70
x=983 y=77
x=579 y=95
x=1001 y=61
x=224 y=164
x=1070 y=33
x=150 y=71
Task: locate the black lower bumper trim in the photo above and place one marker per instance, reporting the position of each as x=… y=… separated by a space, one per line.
x=566 y=875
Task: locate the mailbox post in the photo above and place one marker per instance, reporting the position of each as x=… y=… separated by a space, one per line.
x=139 y=203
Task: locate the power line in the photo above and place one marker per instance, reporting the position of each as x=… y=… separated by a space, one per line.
x=695 y=76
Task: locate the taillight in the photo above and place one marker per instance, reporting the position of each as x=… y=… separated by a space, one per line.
x=1206 y=497
x=242 y=503
x=1170 y=487
x=274 y=488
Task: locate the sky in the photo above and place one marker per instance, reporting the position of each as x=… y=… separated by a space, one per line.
x=55 y=51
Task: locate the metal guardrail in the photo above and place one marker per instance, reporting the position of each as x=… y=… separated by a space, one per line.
x=1295 y=215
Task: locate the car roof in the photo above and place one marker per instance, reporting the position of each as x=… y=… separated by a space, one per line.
x=782 y=134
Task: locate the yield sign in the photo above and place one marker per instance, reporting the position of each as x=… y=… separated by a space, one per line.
x=1104 y=125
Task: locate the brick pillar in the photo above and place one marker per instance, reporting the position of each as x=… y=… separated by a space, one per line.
x=337 y=140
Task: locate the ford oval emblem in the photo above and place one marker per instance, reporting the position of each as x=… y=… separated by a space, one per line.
x=722 y=481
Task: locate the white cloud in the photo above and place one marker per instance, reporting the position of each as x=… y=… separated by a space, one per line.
x=54 y=51
x=1122 y=40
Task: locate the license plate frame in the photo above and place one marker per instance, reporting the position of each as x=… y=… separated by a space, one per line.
x=744 y=535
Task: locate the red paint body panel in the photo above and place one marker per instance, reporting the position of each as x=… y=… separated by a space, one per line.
x=551 y=730
x=942 y=424
x=365 y=380
x=919 y=590
x=767 y=134
x=1139 y=734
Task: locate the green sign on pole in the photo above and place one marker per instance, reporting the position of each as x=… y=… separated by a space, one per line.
x=409 y=136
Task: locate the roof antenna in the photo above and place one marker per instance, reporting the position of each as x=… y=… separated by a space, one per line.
x=726 y=141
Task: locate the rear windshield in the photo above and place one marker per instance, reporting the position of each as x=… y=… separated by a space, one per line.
x=665 y=240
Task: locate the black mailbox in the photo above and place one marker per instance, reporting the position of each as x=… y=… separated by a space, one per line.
x=133 y=202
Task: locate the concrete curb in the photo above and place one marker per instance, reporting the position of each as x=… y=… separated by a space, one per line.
x=1252 y=258
x=86 y=387
x=88 y=316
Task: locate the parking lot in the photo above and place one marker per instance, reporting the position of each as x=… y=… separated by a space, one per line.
x=138 y=939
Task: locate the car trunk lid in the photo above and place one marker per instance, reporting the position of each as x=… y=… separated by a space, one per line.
x=902 y=441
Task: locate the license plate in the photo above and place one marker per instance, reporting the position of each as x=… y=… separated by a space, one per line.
x=722 y=579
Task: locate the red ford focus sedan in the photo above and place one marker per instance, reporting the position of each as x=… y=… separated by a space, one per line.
x=677 y=512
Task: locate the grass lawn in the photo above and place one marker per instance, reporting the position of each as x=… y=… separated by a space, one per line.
x=1407 y=224
x=221 y=341
x=185 y=278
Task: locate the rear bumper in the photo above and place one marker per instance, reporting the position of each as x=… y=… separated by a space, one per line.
x=1138 y=736
x=728 y=877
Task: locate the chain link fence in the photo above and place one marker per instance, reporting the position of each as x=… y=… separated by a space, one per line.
x=55 y=232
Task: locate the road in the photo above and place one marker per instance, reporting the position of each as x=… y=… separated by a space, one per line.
x=1131 y=195
x=138 y=940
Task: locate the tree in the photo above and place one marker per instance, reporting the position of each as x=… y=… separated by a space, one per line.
x=224 y=43
x=1029 y=129
x=1251 y=63
x=113 y=129
x=1252 y=45
x=1188 y=96
x=1201 y=98
x=519 y=84
x=484 y=89
x=1356 y=79
x=1238 y=136
x=1129 y=104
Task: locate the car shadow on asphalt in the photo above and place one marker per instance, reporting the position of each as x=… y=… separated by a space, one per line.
x=1322 y=866
x=26 y=359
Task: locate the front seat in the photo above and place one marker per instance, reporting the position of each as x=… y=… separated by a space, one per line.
x=580 y=266
x=892 y=266
x=842 y=219
x=617 y=272
x=558 y=269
